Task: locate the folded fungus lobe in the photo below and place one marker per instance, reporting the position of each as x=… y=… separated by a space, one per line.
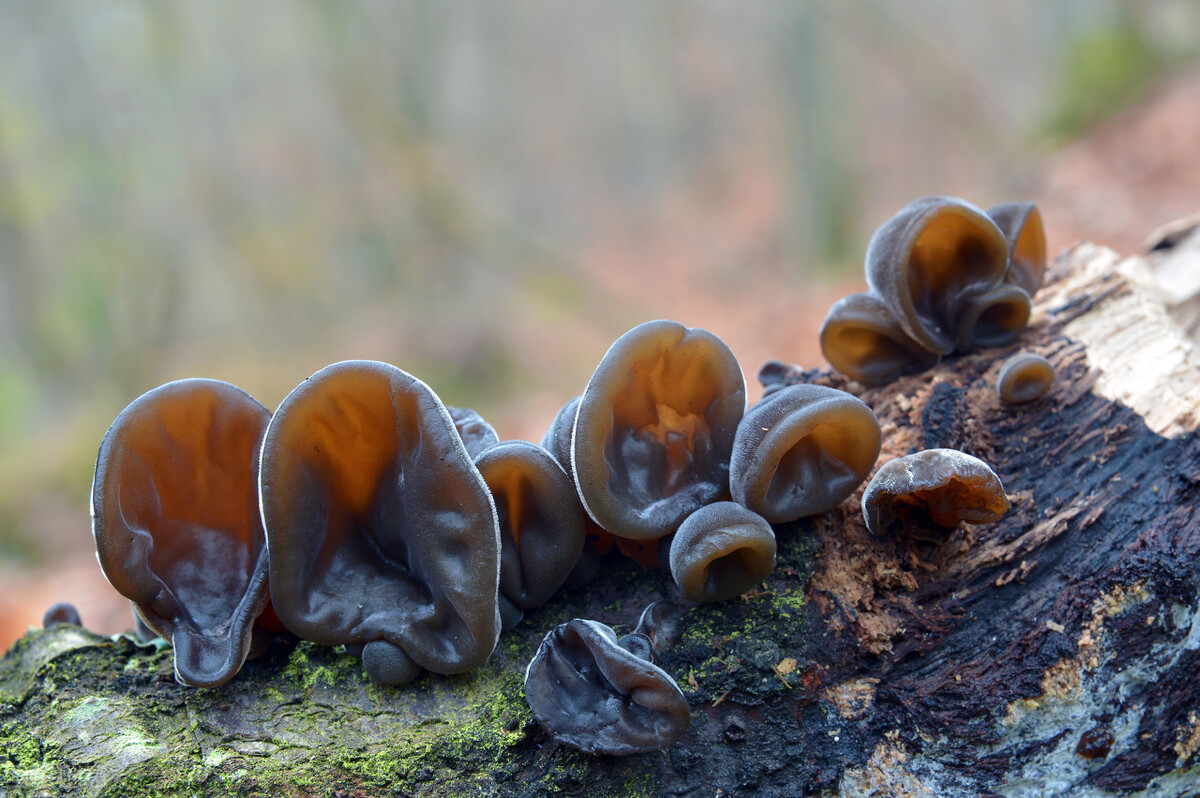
x=721 y=551
x=382 y=534
x=176 y=523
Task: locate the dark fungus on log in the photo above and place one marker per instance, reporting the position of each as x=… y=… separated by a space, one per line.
x=925 y=495
x=541 y=520
x=1024 y=377
x=655 y=427
x=592 y=693
x=382 y=533
x=721 y=551
x=557 y=439
x=61 y=613
x=864 y=341
x=802 y=451
x=176 y=522
x=477 y=435
x=928 y=259
x=1021 y=223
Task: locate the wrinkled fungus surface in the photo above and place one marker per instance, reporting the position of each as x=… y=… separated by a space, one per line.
x=1021 y=223
x=541 y=520
x=381 y=531
x=927 y=494
x=176 y=522
x=802 y=451
x=721 y=551
x=654 y=429
x=1024 y=377
x=593 y=694
x=863 y=340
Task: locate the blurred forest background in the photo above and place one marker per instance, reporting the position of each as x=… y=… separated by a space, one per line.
x=487 y=195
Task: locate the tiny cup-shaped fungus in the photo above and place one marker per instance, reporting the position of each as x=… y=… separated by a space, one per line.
x=557 y=439
x=382 y=532
x=1024 y=377
x=596 y=695
x=925 y=495
x=721 y=551
x=477 y=435
x=1021 y=223
x=863 y=340
x=801 y=451
x=176 y=522
x=541 y=520
x=993 y=318
x=926 y=259
x=61 y=613
x=655 y=427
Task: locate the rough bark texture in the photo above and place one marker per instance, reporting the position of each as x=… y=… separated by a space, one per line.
x=1055 y=652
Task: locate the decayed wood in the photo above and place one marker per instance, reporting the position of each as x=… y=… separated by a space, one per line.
x=1054 y=652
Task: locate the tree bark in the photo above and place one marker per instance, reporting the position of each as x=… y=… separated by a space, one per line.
x=1054 y=652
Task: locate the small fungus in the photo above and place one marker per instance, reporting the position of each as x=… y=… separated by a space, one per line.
x=925 y=495
x=863 y=340
x=1021 y=223
x=1024 y=377
x=477 y=435
x=995 y=317
x=802 y=451
x=557 y=439
x=382 y=534
x=601 y=697
x=930 y=257
x=176 y=522
x=541 y=521
x=721 y=551
x=655 y=427
x=61 y=613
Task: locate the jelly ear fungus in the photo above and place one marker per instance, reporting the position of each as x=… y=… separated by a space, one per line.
x=176 y=522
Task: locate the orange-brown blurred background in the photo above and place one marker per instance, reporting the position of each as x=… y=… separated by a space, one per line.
x=486 y=195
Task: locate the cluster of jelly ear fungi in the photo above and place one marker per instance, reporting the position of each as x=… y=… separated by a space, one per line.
x=942 y=275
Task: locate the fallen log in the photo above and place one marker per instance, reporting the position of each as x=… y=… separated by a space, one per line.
x=1055 y=652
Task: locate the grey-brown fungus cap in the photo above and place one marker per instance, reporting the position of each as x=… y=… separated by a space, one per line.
x=591 y=693
x=655 y=427
x=541 y=520
x=1021 y=223
x=927 y=494
x=721 y=551
x=176 y=522
x=863 y=340
x=995 y=317
x=61 y=613
x=477 y=435
x=382 y=533
x=929 y=256
x=802 y=451
x=557 y=439
x=1024 y=377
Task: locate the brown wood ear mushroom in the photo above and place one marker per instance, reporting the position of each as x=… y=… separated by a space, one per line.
x=802 y=451
x=557 y=439
x=600 y=697
x=1024 y=377
x=861 y=339
x=541 y=521
x=721 y=551
x=655 y=427
x=1021 y=223
x=176 y=522
x=382 y=533
x=928 y=259
x=477 y=435
x=927 y=494
x=61 y=613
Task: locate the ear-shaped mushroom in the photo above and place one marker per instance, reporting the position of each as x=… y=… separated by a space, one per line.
x=61 y=613
x=654 y=429
x=995 y=317
x=1021 y=223
x=175 y=517
x=541 y=520
x=477 y=435
x=1024 y=377
x=593 y=694
x=721 y=551
x=861 y=339
x=801 y=451
x=557 y=439
x=924 y=260
x=925 y=495
x=382 y=532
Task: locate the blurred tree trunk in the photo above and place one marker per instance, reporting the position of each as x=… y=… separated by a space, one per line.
x=1054 y=652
